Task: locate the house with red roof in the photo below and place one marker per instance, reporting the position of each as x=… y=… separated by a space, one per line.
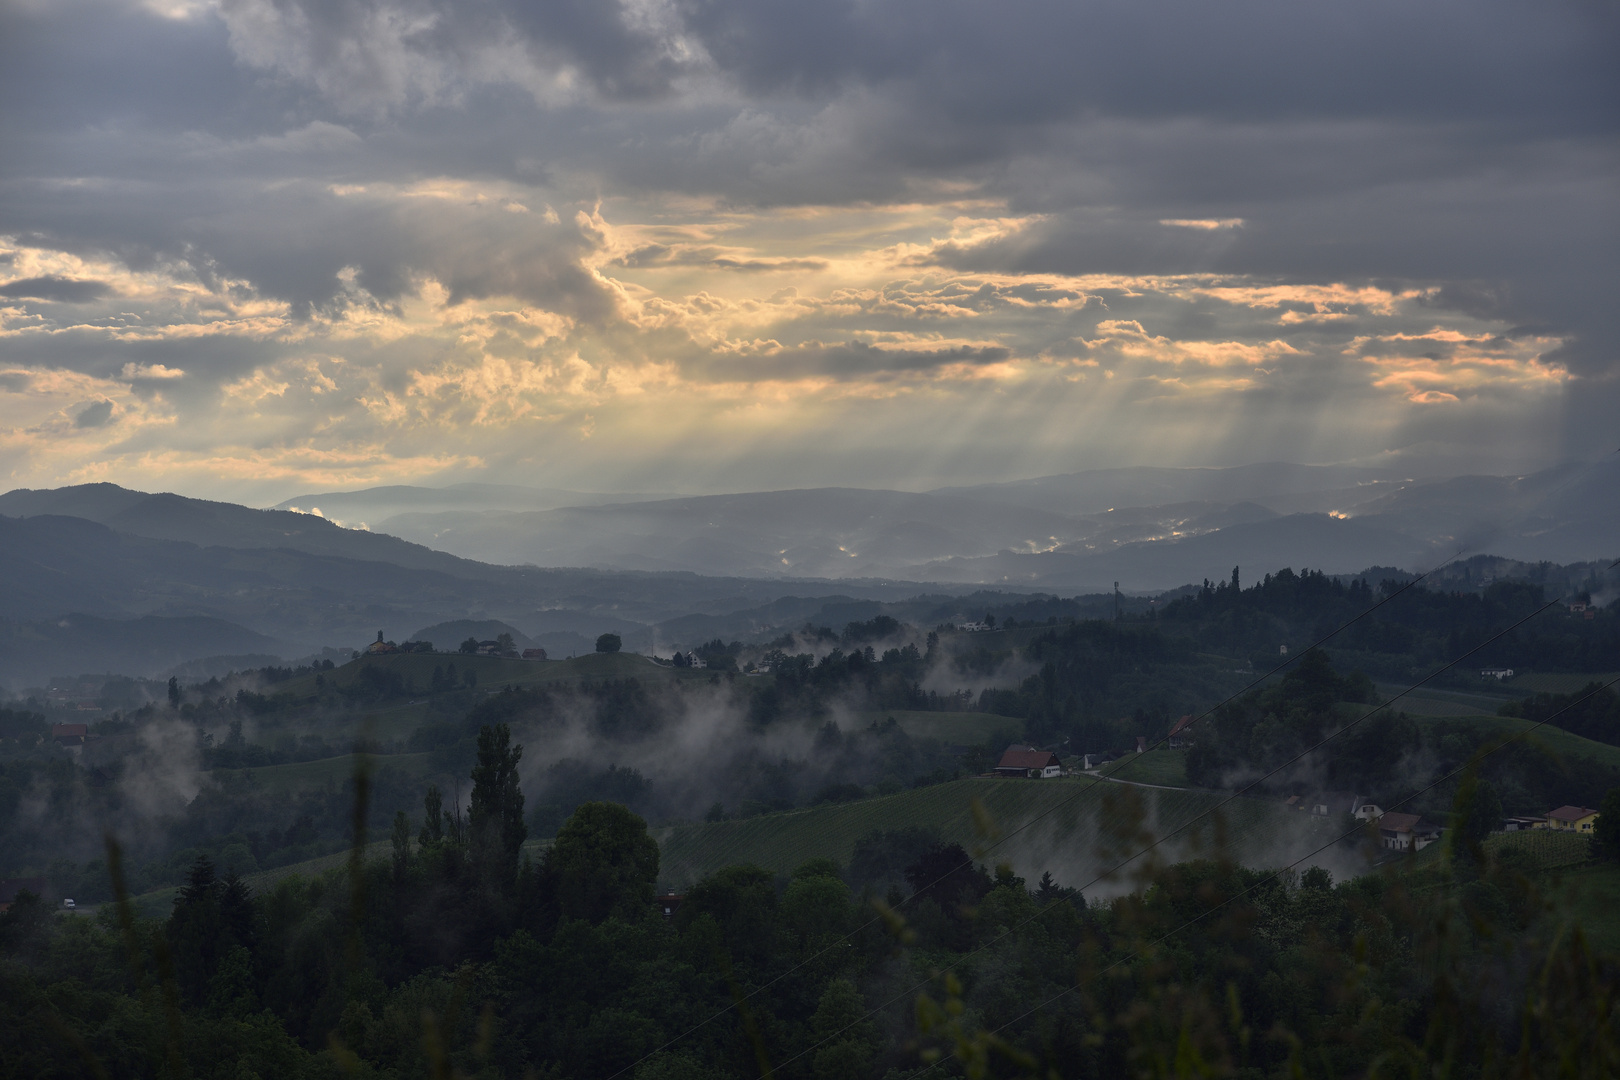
x=1026 y=761
x=1179 y=741
x=1575 y=819
x=70 y=734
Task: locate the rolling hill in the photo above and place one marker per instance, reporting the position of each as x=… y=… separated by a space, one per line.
x=1064 y=830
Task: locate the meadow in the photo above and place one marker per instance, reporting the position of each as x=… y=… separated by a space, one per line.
x=1060 y=826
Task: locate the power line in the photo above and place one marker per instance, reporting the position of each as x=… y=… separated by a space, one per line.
x=998 y=938
x=743 y=999
x=1273 y=875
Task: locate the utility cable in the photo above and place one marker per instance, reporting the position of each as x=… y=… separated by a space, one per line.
x=1294 y=760
x=1275 y=874
x=744 y=998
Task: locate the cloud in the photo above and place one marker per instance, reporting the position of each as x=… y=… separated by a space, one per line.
x=757 y=242
x=96 y=414
x=1207 y=224
x=58 y=289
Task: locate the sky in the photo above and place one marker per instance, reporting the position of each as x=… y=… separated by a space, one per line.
x=251 y=248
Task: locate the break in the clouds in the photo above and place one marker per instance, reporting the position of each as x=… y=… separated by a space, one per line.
x=249 y=246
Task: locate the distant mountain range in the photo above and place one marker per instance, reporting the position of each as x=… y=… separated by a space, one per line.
x=670 y=571
x=1148 y=528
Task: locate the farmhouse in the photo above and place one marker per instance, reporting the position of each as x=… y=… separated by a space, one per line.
x=1406 y=832
x=1178 y=741
x=70 y=734
x=1522 y=824
x=1026 y=761
x=534 y=654
x=1577 y=819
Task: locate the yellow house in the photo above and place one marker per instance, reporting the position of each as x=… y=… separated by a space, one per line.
x=1577 y=819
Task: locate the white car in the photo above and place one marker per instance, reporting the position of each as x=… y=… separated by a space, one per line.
x=68 y=905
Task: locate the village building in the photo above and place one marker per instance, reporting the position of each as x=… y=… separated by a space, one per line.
x=70 y=734
x=1406 y=832
x=1367 y=811
x=534 y=654
x=1576 y=819
x=1497 y=673
x=379 y=647
x=1179 y=741
x=1523 y=824
x=670 y=903
x=1026 y=761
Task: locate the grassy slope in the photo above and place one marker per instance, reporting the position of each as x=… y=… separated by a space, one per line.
x=1066 y=841
x=1162 y=766
x=1552 y=682
x=1552 y=738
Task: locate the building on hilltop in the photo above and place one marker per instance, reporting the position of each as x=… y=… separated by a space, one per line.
x=1028 y=762
x=379 y=647
x=1576 y=819
x=1406 y=832
x=70 y=734
x=1178 y=740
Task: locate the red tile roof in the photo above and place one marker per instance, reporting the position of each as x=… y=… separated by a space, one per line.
x=1181 y=725
x=1027 y=757
x=1570 y=813
x=1405 y=823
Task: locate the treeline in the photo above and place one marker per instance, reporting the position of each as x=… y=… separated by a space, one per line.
x=459 y=955
x=1419 y=628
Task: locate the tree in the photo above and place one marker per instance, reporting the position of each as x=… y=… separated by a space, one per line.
x=470 y=646
x=605 y=864
x=609 y=643
x=495 y=811
x=1606 y=829
x=174 y=692
x=432 y=834
x=402 y=845
x=507 y=646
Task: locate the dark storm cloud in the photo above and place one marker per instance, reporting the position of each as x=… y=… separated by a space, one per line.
x=1251 y=58
x=97 y=414
x=51 y=287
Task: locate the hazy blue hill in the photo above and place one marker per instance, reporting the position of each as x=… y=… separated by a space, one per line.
x=1298 y=540
x=1096 y=490
x=374 y=504
x=447 y=636
x=31 y=652
x=822 y=532
x=1566 y=514
x=166 y=516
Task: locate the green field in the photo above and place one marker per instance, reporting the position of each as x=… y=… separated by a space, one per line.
x=304 y=775
x=952 y=728
x=1062 y=833
x=1551 y=738
x=1161 y=766
x=1430 y=702
x=1554 y=682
